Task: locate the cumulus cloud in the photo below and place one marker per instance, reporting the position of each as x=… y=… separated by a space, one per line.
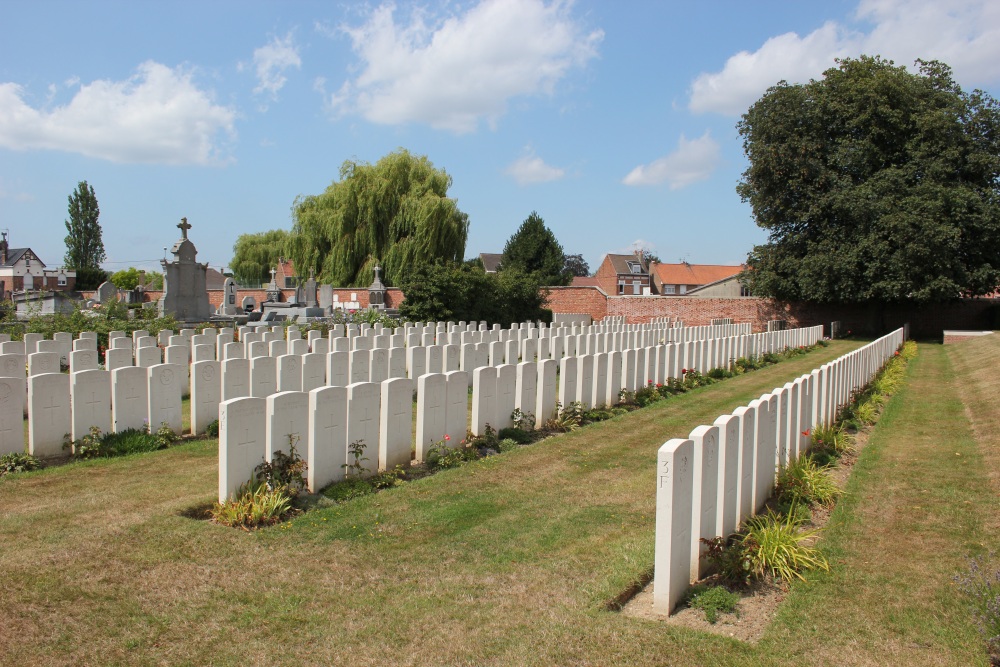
x=157 y=116
x=693 y=161
x=963 y=33
x=530 y=169
x=271 y=62
x=452 y=72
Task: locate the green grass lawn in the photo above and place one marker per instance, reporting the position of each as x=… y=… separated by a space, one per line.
x=505 y=561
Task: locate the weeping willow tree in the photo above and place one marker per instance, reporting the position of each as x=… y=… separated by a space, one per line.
x=395 y=213
x=255 y=254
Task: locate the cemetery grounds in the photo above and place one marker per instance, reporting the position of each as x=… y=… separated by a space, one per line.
x=510 y=560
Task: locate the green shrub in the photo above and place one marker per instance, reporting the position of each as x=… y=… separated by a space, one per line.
x=11 y=463
x=719 y=374
x=774 y=545
x=803 y=481
x=212 y=429
x=514 y=433
x=122 y=443
x=713 y=600
x=523 y=420
x=508 y=444
x=442 y=455
x=829 y=443
x=253 y=506
x=646 y=395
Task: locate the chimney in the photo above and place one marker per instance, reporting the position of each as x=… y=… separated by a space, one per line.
x=3 y=249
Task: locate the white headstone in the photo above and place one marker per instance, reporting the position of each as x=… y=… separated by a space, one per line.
x=484 y=399
x=241 y=442
x=90 y=391
x=672 y=556
x=545 y=403
x=287 y=423
x=457 y=412
x=263 y=377
x=206 y=393
x=288 y=368
x=395 y=422
x=49 y=413
x=704 y=495
x=363 y=421
x=166 y=384
x=506 y=395
x=129 y=398
x=338 y=368
x=326 y=453
x=12 y=392
x=432 y=424
x=43 y=362
x=83 y=360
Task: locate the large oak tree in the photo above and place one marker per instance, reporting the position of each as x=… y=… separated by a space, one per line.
x=875 y=185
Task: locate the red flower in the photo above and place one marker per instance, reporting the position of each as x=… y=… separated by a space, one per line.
x=897 y=353
x=447 y=437
x=659 y=384
x=805 y=432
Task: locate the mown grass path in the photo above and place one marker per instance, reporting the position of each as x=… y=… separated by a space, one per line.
x=506 y=561
x=918 y=504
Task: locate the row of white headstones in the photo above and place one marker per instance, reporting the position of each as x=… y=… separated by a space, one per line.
x=109 y=400
x=146 y=397
x=323 y=423
x=712 y=481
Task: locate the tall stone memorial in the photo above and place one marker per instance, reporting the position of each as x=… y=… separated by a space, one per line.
x=185 y=294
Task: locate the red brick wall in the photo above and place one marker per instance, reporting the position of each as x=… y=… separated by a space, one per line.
x=578 y=300
x=925 y=321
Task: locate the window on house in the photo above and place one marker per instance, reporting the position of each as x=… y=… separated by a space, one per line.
x=684 y=289
x=621 y=286
x=744 y=290
x=634 y=267
x=636 y=287
x=669 y=289
x=62 y=280
x=289 y=282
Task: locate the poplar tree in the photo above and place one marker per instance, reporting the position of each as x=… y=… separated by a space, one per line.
x=84 y=246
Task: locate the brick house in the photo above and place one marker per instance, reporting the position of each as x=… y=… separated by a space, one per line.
x=623 y=275
x=21 y=270
x=680 y=279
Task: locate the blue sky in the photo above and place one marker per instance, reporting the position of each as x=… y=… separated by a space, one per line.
x=615 y=121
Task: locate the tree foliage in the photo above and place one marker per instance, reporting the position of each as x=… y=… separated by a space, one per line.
x=131 y=278
x=84 y=246
x=576 y=266
x=533 y=249
x=254 y=255
x=396 y=213
x=875 y=185
x=465 y=292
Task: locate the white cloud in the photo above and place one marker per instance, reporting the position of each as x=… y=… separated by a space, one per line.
x=693 y=161
x=531 y=169
x=157 y=116
x=271 y=61
x=962 y=33
x=455 y=71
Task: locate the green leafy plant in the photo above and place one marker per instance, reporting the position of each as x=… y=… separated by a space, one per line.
x=212 y=429
x=830 y=443
x=284 y=473
x=12 y=463
x=774 y=545
x=507 y=445
x=713 y=600
x=803 y=481
x=355 y=467
x=442 y=455
x=730 y=559
x=254 y=505
x=523 y=420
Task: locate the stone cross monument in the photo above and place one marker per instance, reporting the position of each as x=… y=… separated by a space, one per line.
x=185 y=293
